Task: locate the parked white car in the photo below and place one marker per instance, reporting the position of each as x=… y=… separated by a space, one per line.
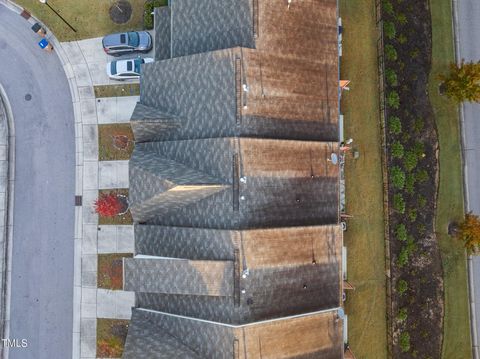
x=126 y=69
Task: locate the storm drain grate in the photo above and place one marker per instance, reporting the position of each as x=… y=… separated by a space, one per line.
x=78 y=200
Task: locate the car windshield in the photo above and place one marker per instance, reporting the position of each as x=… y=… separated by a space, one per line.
x=138 y=62
x=113 y=67
x=133 y=39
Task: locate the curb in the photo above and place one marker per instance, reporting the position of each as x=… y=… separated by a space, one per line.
x=9 y=203
x=471 y=284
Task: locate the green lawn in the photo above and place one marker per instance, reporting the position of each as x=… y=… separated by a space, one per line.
x=456 y=341
x=89 y=17
x=129 y=89
x=115 y=142
x=366 y=306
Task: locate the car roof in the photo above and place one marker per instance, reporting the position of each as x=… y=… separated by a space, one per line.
x=122 y=66
x=120 y=38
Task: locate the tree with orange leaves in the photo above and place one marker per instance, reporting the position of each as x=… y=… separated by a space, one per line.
x=469 y=232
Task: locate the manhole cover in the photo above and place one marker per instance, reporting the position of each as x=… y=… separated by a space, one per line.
x=28 y=97
x=120 y=12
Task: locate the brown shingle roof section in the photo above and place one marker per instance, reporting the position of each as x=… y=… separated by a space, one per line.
x=311 y=336
x=273 y=158
x=292 y=246
x=307 y=30
x=156 y=335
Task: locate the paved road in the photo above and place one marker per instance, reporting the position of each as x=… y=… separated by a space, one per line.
x=42 y=268
x=468 y=26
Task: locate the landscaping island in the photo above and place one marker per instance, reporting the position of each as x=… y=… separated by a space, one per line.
x=412 y=164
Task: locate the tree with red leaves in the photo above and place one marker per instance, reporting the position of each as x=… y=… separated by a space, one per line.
x=109 y=205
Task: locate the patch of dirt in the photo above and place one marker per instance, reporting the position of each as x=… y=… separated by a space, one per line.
x=110 y=270
x=120 y=12
x=423 y=300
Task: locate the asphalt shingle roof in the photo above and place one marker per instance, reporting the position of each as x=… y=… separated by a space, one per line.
x=156 y=335
x=200 y=26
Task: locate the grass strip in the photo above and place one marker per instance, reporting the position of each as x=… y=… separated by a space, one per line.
x=128 y=89
x=364 y=238
x=450 y=207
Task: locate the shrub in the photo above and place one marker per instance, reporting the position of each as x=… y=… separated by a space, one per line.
x=404 y=342
x=402 y=39
x=401 y=232
x=406 y=251
x=414 y=53
x=402 y=314
x=390 y=52
x=388 y=7
x=399 y=203
x=412 y=214
x=418 y=125
x=421 y=228
x=410 y=160
x=419 y=149
x=109 y=205
x=391 y=77
x=401 y=18
x=397 y=177
x=422 y=176
x=410 y=183
x=397 y=150
x=410 y=246
x=402 y=286
x=421 y=201
x=389 y=30
x=147 y=12
x=403 y=257
x=395 y=125
x=393 y=100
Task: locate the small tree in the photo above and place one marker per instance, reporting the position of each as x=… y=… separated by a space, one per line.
x=463 y=82
x=109 y=205
x=469 y=232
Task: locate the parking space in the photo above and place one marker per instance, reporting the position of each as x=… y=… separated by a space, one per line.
x=96 y=59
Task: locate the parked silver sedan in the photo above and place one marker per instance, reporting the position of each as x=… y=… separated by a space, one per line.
x=126 y=69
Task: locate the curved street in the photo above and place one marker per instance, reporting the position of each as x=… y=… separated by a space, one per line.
x=43 y=244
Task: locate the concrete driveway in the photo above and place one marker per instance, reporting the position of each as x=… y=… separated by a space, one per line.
x=468 y=27
x=96 y=59
x=43 y=245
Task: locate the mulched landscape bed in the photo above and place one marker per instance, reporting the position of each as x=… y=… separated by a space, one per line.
x=110 y=270
x=115 y=142
x=111 y=336
x=412 y=146
x=125 y=218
